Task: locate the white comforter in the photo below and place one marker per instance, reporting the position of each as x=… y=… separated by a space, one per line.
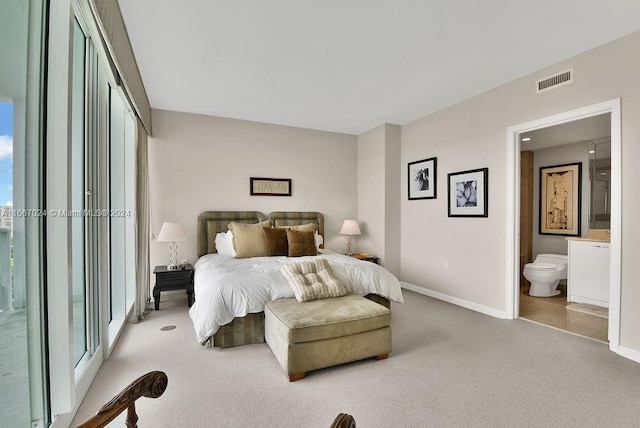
x=226 y=287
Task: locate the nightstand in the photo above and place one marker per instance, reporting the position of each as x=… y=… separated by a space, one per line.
x=366 y=257
x=179 y=279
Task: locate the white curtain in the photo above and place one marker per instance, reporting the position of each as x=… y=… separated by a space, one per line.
x=142 y=225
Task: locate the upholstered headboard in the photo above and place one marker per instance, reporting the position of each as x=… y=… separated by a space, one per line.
x=292 y=218
x=211 y=223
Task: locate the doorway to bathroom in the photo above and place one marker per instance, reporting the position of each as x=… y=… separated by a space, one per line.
x=566 y=139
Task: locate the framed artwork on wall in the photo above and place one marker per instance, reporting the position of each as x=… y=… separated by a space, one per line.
x=270 y=186
x=422 y=179
x=468 y=193
x=561 y=199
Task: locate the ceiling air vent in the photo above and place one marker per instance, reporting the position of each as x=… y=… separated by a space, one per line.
x=554 y=81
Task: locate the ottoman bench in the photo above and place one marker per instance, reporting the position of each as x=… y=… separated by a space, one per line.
x=322 y=333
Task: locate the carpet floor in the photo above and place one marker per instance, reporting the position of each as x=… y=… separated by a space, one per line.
x=449 y=367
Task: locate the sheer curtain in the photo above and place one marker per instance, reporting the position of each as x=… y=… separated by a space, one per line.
x=142 y=225
x=114 y=34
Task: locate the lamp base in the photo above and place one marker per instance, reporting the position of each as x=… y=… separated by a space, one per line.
x=173 y=267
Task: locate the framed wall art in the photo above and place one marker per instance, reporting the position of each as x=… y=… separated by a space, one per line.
x=270 y=186
x=561 y=199
x=422 y=179
x=468 y=193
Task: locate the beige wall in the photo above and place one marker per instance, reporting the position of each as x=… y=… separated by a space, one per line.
x=371 y=191
x=378 y=196
x=471 y=135
x=393 y=171
x=199 y=163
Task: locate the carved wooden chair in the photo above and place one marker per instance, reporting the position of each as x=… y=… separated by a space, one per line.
x=151 y=385
x=343 y=421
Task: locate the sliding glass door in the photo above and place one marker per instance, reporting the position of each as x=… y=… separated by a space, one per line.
x=122 y=210
x=67 y=188
x=78 y=178
x=24 y=398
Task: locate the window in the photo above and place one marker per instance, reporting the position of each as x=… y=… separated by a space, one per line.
x=78 y=179
x=88 y=185
x=122 y=210
x=23 y=370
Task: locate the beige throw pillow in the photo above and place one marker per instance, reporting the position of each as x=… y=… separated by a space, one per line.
x=313 y=280
x=248 y=239
x=308 y=227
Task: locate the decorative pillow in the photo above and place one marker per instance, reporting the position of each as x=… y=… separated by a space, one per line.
x=319 y=240
x=276 y=241
x=313 y=280
x=248 y=239
x=224 y=244
x=308 y=227
x=301 y=243
x=266 y=223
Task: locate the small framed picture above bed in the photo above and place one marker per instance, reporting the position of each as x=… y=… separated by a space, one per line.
x=422 y=179
x=270 y=186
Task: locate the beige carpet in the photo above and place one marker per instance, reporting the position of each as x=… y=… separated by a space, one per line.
x=589 y=309
x=450 y=367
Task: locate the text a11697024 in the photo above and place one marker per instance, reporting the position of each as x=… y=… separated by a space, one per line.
x=27 y=212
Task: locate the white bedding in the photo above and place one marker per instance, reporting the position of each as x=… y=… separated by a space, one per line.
x=226 y=287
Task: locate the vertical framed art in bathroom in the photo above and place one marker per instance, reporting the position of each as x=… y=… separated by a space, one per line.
x=561 y=199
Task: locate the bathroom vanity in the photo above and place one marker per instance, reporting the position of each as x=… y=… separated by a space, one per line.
x=588 y=271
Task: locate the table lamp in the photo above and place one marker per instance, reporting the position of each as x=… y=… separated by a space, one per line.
x=349 y=228
x=172 y=232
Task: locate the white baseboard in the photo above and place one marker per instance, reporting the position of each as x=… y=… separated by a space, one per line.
x=456 y=301
x=628 y=353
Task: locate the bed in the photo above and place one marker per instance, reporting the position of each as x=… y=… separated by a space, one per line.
x=230 y=293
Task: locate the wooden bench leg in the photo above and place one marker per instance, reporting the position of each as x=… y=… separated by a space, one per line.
x=382 y=357
x=296 y=376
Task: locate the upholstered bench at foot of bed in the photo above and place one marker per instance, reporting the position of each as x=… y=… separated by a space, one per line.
x=324 y=333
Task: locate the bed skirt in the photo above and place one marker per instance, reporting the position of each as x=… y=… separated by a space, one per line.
x=241 y=331
x=249 y=329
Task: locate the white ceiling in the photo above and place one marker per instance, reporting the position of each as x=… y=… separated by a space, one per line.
x=351 y=65
x=596 y=129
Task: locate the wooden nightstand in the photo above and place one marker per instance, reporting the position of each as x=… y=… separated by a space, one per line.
x=366 y=257
x=180 y=279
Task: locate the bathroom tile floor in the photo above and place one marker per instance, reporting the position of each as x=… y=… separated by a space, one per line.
x=552 y=311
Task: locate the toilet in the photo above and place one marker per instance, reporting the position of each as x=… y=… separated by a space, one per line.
x=545 y=273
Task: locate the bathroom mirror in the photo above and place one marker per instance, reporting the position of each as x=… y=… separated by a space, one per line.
x=599 y=183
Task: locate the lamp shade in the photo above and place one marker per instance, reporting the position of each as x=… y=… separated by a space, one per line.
x=350 y=227
x=171 y=232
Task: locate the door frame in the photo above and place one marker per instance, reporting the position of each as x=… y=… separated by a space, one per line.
x=513 y=207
